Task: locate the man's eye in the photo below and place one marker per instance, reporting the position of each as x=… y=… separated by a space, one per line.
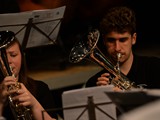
x=123 y=39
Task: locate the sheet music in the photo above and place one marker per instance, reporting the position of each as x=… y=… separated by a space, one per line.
x=44 y=23
x=78 y=97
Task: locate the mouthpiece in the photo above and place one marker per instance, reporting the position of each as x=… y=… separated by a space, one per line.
x=12 y=71
x=119 y=55
x=117 y=66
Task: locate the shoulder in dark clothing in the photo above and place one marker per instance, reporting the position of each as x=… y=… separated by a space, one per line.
x=145 y=70
x=44 y=96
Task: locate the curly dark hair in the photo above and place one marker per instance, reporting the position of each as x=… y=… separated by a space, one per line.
x=119 y=19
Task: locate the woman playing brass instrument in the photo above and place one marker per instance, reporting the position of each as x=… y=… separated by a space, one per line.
x=32 y=94
x=118 y=32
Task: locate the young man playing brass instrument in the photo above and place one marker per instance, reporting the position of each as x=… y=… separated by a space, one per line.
x=118 y=32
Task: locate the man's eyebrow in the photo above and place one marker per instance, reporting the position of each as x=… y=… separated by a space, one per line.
x=110 y=38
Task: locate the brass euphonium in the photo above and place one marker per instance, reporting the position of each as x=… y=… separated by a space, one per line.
x=19 y=112
x=87 y=48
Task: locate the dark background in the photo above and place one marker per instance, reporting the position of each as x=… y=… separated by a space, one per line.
x=80 y=16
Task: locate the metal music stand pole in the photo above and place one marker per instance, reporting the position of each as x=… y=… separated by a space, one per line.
x=91 y=108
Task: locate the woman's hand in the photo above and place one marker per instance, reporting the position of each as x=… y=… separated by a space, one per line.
x=17 y=91
x=8 y=81
x=25 y=98
x=3 y=94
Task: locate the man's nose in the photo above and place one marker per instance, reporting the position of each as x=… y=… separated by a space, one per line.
x=117 y=46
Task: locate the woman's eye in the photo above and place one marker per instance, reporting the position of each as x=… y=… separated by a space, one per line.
x=13 y=55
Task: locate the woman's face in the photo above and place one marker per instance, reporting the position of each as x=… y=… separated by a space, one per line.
x=14 y=58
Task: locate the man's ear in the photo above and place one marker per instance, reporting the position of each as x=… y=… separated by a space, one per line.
x=134 y=38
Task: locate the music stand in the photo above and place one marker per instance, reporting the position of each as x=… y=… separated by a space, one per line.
x=128 y=100
x=88 y=104
x=80 y=105
x=149 y=111
x=34 y=28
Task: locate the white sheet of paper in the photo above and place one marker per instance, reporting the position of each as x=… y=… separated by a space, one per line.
x=78 y=97
x=47 y=20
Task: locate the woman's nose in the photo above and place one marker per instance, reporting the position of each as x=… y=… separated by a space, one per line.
x=9 y=59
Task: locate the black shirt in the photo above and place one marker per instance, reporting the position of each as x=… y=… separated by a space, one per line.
x=144 y=70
